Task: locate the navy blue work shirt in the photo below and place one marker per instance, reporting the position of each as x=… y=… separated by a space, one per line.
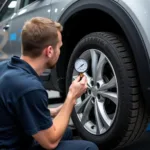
x=23 y=104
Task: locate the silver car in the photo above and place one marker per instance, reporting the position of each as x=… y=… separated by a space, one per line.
x=113 y=36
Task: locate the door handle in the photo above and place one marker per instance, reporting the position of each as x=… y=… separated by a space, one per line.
x=6 y=27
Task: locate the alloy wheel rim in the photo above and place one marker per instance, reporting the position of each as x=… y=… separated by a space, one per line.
x=93 y=108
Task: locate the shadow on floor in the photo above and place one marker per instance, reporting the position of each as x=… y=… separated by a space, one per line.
x=142 y=144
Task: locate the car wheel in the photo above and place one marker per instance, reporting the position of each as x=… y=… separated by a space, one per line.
x=111 y=113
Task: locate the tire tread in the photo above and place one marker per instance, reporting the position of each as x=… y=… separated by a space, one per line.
x=135 y=123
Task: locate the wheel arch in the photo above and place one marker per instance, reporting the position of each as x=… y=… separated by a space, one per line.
x=128 y=28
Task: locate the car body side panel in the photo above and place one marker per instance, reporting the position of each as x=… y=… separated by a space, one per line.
x=35 y=9
x=5 y=47
x=59 y=7
x=5 y=35
x=140 y=12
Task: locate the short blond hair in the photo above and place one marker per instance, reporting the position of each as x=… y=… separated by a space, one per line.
x=38 y=33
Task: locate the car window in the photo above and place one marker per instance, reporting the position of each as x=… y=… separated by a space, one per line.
x=8 y=9
x=26 y=2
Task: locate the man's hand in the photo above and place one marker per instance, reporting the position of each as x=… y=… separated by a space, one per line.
x=55 y=111
x=77 y=88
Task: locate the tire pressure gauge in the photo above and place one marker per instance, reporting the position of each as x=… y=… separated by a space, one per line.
x=81 y=66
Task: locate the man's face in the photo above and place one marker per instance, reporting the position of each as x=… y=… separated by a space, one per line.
x=53 y=60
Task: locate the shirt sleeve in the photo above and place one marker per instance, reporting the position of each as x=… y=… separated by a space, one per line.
x=33 y=113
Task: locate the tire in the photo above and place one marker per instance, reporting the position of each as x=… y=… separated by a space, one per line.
x=130 y=118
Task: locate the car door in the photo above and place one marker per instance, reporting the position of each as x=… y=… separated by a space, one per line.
x=6 y=15
x=27 y=9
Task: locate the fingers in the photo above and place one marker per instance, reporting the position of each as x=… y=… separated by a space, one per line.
x=83 y=80
x=84 y=83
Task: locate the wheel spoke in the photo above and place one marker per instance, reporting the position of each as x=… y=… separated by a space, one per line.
x=80 y=107
x=109 y=85
x=97 y=117
x=86 y=112
x=89 y=79
x=100 y=66
x=110 y=95
x=94 y=58
x=103 y=115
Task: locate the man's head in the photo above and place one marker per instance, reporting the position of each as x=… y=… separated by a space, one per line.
x=41 y=37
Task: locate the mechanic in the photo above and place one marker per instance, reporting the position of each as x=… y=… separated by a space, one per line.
x=25 y=120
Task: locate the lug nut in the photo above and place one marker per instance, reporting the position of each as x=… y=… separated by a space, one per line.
x=89 y=91
x=98 y=85
x=92 y=83
x=98 y=96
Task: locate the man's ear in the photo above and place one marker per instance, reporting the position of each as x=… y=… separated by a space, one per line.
x=49 y=51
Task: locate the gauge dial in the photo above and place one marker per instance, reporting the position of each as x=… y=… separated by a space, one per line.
x=81 y=65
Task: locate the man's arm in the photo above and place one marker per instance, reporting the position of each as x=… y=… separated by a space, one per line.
x=50 y=137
